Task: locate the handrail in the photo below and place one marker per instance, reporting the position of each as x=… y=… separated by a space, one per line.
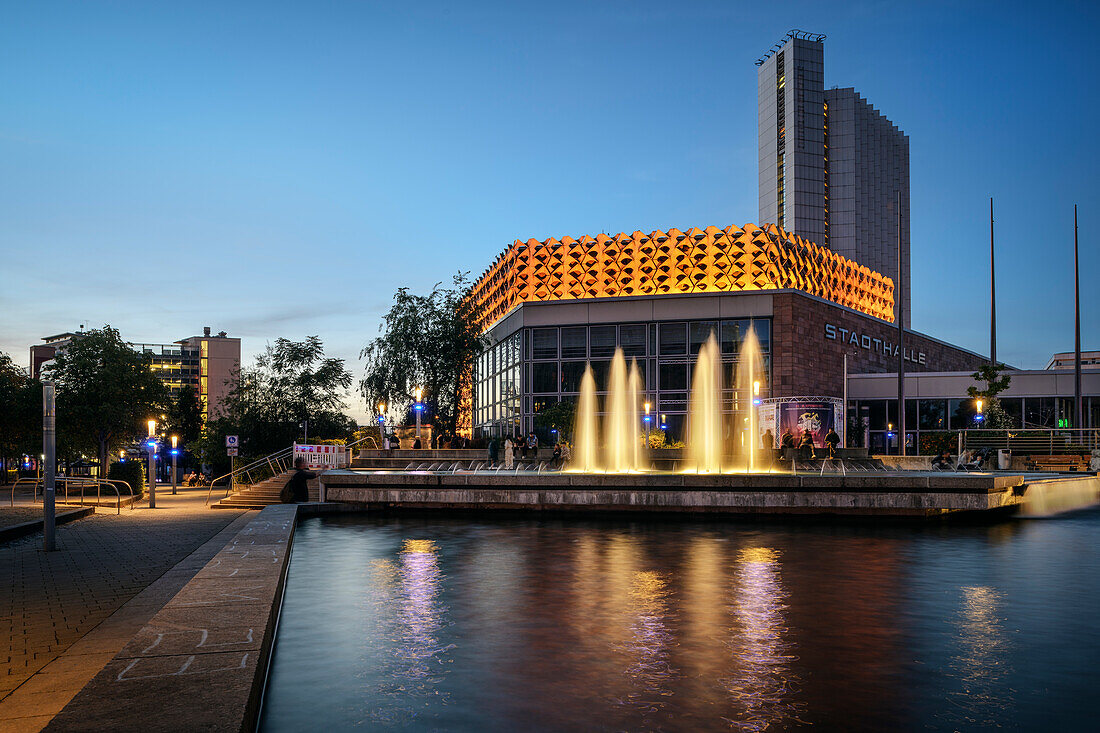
x=82 y=481
x=276 y=456
x=26 y=479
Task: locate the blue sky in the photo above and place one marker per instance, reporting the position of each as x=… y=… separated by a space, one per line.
x=279 y=169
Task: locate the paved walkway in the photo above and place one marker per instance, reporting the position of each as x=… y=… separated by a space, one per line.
x=65 y=614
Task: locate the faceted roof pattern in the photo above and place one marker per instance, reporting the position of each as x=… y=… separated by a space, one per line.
x=711 y=260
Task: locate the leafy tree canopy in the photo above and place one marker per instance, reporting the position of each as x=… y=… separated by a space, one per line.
x=105 y=393
x=995 y=381
x=429 y=341
x=185 y=416
x=992 y=381
x=291 y=382
x=560 y=415
x=20 y=411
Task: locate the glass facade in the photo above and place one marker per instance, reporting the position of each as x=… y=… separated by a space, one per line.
x=497 y=381
x=937 y=415
x=538 y=367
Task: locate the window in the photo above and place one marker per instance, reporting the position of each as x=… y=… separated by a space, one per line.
x=545 y=343
x=544 y=377
x=763 y=329
x=673 y=376
x=700 y=332
x=602 y=340
x=571 y=373
x=673 y=338
x=601 y=370
x=632 y=339
x=541 y=403
x=733 y=332
x=933 y=414
x=574 y=343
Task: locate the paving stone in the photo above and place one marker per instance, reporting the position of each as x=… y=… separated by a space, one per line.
x=77 y=601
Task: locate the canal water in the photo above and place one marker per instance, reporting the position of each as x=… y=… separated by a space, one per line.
x=428 y=623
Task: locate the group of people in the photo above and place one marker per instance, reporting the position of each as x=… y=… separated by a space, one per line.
x=456 y=442
x=805 y=442
x=194 y=479
x=519 y=446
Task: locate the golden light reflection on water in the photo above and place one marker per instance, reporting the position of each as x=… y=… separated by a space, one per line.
x=762 y=683
x=650 y=640
x=981 y=664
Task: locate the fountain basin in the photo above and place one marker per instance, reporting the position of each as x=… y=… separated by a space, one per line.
x=900 y=494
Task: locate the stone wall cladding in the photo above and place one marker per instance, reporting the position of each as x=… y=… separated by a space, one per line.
x=806 y=362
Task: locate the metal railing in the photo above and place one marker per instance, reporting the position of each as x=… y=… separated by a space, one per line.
x=1032 y=441
x=278 y=462
x=81 y=482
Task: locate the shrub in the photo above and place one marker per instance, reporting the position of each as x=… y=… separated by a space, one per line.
x=932 y=444
x=132 y=472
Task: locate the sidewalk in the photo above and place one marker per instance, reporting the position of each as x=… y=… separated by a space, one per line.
x=65 y=614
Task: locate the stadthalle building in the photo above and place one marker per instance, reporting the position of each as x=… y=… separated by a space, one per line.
x=553 y=305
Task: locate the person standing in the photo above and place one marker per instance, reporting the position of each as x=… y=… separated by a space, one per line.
x=509 y=457
x=832 y=440
x=417 y=444
x=493 y=451
x=767 y=440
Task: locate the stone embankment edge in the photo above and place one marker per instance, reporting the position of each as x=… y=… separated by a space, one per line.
x=14 y=531
x=201 y=662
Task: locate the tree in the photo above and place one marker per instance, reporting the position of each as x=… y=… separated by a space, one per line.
x=428 y=341
x=185 y=416
x=290 y=383
x=995 y=382
x=559 y=416
x=105 y=393
x=20 y=412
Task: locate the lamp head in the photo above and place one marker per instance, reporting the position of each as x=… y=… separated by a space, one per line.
x=152 y=428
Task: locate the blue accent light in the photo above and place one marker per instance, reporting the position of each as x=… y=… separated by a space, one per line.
x=757 y=401
x=647 y=418
x=554 y=431
x=175 y=452
x=418 y=407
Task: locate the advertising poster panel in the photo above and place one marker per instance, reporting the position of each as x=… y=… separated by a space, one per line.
x=766 y=416
x=817 y=417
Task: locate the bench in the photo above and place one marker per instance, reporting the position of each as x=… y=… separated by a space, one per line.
x=1058 y=463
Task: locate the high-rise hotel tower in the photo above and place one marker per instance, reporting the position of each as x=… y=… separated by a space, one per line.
x=831 y=165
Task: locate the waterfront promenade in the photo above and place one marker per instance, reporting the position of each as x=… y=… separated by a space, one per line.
x=65 y=614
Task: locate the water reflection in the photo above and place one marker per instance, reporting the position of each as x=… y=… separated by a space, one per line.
x=547 y=625
x=410 y=615
x=648 y=648
x=762 y=684
x=981 y=664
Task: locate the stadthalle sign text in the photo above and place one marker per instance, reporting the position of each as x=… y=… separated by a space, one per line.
x=870 y=343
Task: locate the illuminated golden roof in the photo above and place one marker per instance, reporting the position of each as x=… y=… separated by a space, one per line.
x=711 y=260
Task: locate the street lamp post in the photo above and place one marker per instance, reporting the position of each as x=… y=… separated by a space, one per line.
x=175 y=452
x=647 y=419
x=152 y=446
x=418 y=407
x=49 y=444
x=979 y=417
x=381 y=420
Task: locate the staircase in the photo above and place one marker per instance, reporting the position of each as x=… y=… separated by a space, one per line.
x=263 y=494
